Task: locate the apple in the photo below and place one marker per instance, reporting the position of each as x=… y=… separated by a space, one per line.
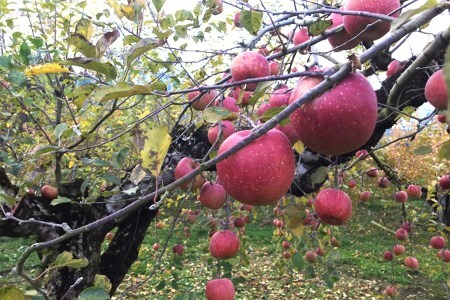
x=342 y=38
x=247 y=219
x=394 y=67
x=372 y=173
x=274 y=68
x=320 y=251
x=260 y=173
x=310 y=202
x=388 y=255
x=407 y=226
x=444 y=182
x=204 y=101
x=401 y=196
x=228 y=103
x=436 y=91
x=334 y=242
x=222 y=289
x=237 y=20
x=355 y=25
x=224 y=244
x=442 y=118
x=227 y=130
x=286 y=254
x=300 y=36
x=244 y=98
x=414 y=191
x=339 y=120
x=390 y=291
x=263 y=107
x=217 y=7
x=185 y=166
x=212 y=195
x=49 y=192
x=248 y=207
x=280 y=97
x=444 y=255
x=364 y=196
x=263 y=51
x=311 y=256
x=383 y=182
x=398 y=249
x=279 y=224
x=239 y=222
x=401 y=234
x=109 y=236
x=362 y=154
x=411 y=262
x=351 y=183
x=333 y=206
x=285 y=245
x=249 y=65
x=437 y=242
x=178 y=249
x=159 y=225
x=156 y=246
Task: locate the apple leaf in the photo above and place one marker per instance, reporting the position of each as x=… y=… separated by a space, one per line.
x=140 y=48
x=320 y=175
x=423 y=150
x=93 y=64
x=10 y=200
x=105 y=41
x=81 y=93
x=251 y=21
x=137 y=174
x=319 y=27
x=116 y=7
x=296 y=214
x=216 y=113
x=111 y=178
x=130 y=39
x=158 y=4
x=157 y=142
x=121 y=90
x=44 y=150
x=65 y=259
x=82 y=45
x=260 y=90
x=11 y=293
x=84 y=28
x=48 y=68
x=444 y=151
x=447 y=81
x=93 y=293
x=407 y=15
x=299 y=147
x=101 y=281
x=60 y=200
x=297 y=261
x=272 y=112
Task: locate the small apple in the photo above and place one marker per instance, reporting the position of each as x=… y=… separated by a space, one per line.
x=224 y=244
x=364 y=196
x=49 y=192
x=242 y=97
x=362 y=154
x=248 y=207
x=372 y=173
x=249 y=65
x=436 y=91
x=342 y=40
x=351 y=183
x=411 y=262
x=263 y=107
x=178 y=249
x=414 y=191
x=286 y=254
x=437 y=242
x=185 y=166
x=442 y=119
x=204 y=101
x=229 y=104
x=383 y=182
x=239 y=222
x=222 y=289
x=401 y=234
x=279 y=224
x=444 y=182
x=301 y=36
x=263 y=51
x=401 y=196
x=160 y=225
x=407 y=226
x=398 y=249
x=156 y=246
x=247 y=219
x=311 y=256
x=444 y=255
x=388 y=255
x=390 y=291
x=285 y=245
x=394 y=67
x=274 y=68
x=237 y=20
x=227 y=129
x=212 y=195
x=217 y=7
x=310 y=202
x=320 y=251
x=333 y=206
x=109 y=236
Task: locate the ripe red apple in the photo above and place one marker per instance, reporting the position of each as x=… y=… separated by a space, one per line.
x=239 y=222
x=263 y=51
x=444 y=255
x=398 y=249
x=401 y=196
x=300 y=36
x=109 y=236
x=436 y=90
x=237 y=20
x=437 y=242
x=333 y=206
x=388 y=255
x=342 y=38
x=320 y=251
x=224 y=244
x=204 y=101
x=334 y=242
x=222 y=289
x=407 y=226
x=414 y=191
x=244 y=98
x=401 y=234
x=351 y=183
x=217 y=7
x=184 y=167
x=383 y=182
x=159 y=225
x=212 y=195
x=356 y=24
x=49 y=192
x=444 y=182
x=247 y=219
x=156 y=246
x=339 y=120
x=286 y=254
x=178 y=249
x=310 y=202
x=249 y=65
x=311 y=256
x=362 y=154
x=285 y=245
x=394 y=67
x=274 y=68
x=411 y=262
x=280 y=97
x=228 y=103
x=263 y=107
x=372 y=173
x=260 y=173
x=390 y=291
x=364 y=196
x=442 y=118
x=227 y=130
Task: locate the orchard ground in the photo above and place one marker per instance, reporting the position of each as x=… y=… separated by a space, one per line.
x=264 y=274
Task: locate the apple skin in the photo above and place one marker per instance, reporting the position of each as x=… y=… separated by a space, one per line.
x=444 y=182
x=239 y=222
x=338 y=121
x=300 y=36
x=351 y=183
x=444 y=255
x=274 y=68
x=355 y=24
x=227 y=130
x=156 y=246
x=263 y=107
x=260 y=173
x=398 y=249
x=286 y=254
x=178 y=249
x=394 y=67
x=411 y=262
x=401 y=196
x=333 y=206
x=217 y=7
x=311 y=257
x=285 y=245
x=228 y=103
x=212 y=195
x=247 y=65
x=364 y=196
x=401 y=234
x=407 y=226
x=437 y=242
x=184 y=167
x=388 y=255
x=436 y=91
x=442 y=119
x=237 y=20
x=222 y=289
x=383 y=182
x=342 y=37
x=390 y=291
x=245 y=96
x=224 y=244
x=414 y=191
x=49 y=192
x=263 y=51
x=372 y=173
x=362 y=154
x=204 y=101
x=280 y=97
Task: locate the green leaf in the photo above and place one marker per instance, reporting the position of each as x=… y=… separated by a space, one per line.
x=81 y=93
x=444 y=151
x=422 y=150
x=24 y=53
x=93 y=64
x=60 y=200
x=11 y=293
x=319 y=27
x=6 y=61
x=216 y=113
x=251 y=21
x=10 y=200
x=158 y=4
x=93 y=293
x=130 y=39
x=111 y=178
x=84 y=28
x=260 y=90
x=297 y=261
x=44 y=150
x=82 y=45
x=65 y=259
x=272 y=112
x=118 y=158
x=121 y=90
x=407 y=15
x=161 y=285
x=101 y=281
x=157 y=142
x=140 y=48
x=59 y=130
x=320 y=175
x=105 y=41
x=37 y=42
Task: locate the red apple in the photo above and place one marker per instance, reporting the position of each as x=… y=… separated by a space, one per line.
x=356 y=24
x=320 y=251
x=249 y=65
x=414 y=191
x=401 y=234
x=372 y=173
x=411 y=262
x=239 y=222
x=279 y=224
x=436 y=90
x=243 y=96
x=227 y=130
x=401 y=196
x=224 y=244
x=204 y=101
x=274 y=68
x=342 y=38
x=49 y=192
x=280 y=97
x=222 y=289
x=184 y=167
x=442 y=118
x=444 y=255
x=300 y=36
x=109 y=236
x=263 y=107
x=247 y=219
x=159 y=225
x=311 y=256
x=339 y=120
x=398 y=249
x=212 y=195
x=178 y=249
x=351 y=183
x=228 y=103
x=333 y=206
x=260 y=173
x=390 y=291
x=263 y=51
x=364 y=196
x=310 y=202
x=388 y=255
x=407 y=226
x=394 y=67
x=285 y=245
x=237 y=20
x=383 y=182
x=156 y=246
x=248 y=207
x=437 y=242
x=444 y=182
x=286 y=254
x=362 y=154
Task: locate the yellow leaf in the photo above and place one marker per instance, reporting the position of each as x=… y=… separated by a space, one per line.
x=71 y=164
x=157 y=142
x=85 y=28
x=45 y=69
x=299 y=147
